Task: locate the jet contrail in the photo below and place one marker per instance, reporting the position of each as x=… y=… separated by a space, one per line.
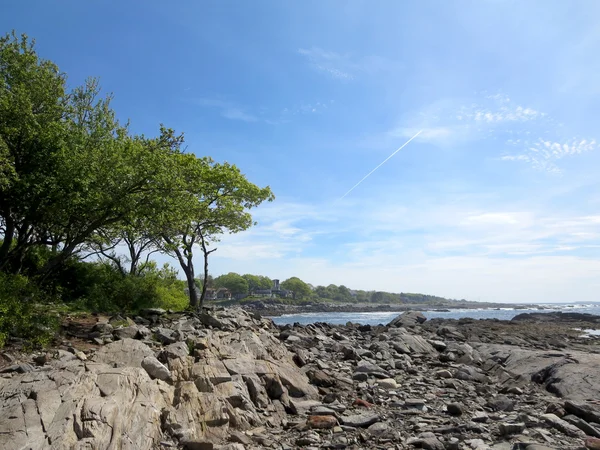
x=384 y=161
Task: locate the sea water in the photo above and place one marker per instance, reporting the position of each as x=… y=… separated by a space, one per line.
x=384 y=317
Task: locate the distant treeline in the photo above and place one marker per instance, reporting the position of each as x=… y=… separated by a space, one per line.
x=247 y=285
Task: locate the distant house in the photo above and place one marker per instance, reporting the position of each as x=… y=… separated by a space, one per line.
x=262 y=292
x=223 y=293
x=211 y=294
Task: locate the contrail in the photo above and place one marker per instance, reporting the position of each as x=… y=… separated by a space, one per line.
x=384 y=161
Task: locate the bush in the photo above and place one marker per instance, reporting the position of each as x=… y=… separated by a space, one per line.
x=101 y=287
x=22 y=312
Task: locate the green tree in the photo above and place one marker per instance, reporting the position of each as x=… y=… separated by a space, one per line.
x=256 y=282
x=68 y=168
x=234 y=282
x=299 y=288
x=215 y=199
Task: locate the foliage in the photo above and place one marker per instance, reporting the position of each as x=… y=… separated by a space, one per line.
x=297 y=286
x=214 y=199
x=234 y=282
x=256 y=282
x=75 y=183
x=101 y=286
x=21 y=315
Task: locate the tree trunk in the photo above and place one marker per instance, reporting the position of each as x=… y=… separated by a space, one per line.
x=206 y=252
x=192 y=288
x=9 y=234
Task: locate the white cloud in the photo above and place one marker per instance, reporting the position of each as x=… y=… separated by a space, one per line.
x=493 y=218
x=544 y=154
x=429 y=246
x=227 y=109
x=329 y=62
x=347 y=67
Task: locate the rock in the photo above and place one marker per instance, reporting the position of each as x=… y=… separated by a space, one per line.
x=308 y=439
x=126 y=352
x=176 y=350
x=18 y=368
x=500 y=403
x=103 y=327
x=592 y=443
x=555 y=408
x=165 y=336
x=126 y=332
x=408 y=319
x=582 y=425
x=588 y=412
x=480 y=417
x=155 y=368
x=378 y=428
x=322 y=422
x=563 y=426
x=444 y=373
x=508 y=429
x=371 y=370
x=387 y=383
x=360 y=420
x=456 y=409
x=321 y=379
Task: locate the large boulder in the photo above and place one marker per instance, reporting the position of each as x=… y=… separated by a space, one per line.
x=408 y=319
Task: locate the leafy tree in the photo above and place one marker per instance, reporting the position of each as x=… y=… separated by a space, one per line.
x=256 y=282
x=215 y=200
x=234 y=282
x=299 y=288
x=69 y=169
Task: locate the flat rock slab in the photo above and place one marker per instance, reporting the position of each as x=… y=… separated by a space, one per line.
x=360 y=420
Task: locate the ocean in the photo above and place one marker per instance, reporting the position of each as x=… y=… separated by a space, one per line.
x=376 y=318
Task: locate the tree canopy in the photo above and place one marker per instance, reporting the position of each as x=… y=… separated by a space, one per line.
x=76 y=181
x=299 y=288
x=234 y=282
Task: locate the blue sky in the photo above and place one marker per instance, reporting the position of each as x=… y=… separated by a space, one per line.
x=496 y=200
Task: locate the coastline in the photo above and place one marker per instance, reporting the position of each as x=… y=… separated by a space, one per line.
x=276 y=310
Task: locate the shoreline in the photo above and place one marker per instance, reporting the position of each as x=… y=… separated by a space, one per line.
x=266 y=310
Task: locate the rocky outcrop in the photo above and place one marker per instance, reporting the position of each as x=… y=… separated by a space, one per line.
x=123 y=397
x=230 y=380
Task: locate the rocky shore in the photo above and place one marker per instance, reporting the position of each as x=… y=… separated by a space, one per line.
x=231 y=380
x=273 y=309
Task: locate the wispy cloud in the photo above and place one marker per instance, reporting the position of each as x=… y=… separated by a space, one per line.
x=228 y=110
x=332 y=63
x=497 y=109
x=346 y=66
x=543 y=154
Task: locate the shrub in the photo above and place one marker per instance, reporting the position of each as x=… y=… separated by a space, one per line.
x=23 y=313
x=100 y=286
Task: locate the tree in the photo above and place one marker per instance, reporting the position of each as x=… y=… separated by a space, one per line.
x=256 y=282
x=215 y=199
x=234 y=282
x=69 y=170
x=299 y=288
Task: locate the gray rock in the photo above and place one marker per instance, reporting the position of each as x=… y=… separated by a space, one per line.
x=378 y=428
x=584 y=426
x=387 y=383
x=501 y=403
x=563 y=426
x=408 y=319
x=165 y=336
x=360 y=420
x=155 y=368
x=588 y=412
x=456 y=409
x=126 y=352
x=126 y=332
x=508 y=429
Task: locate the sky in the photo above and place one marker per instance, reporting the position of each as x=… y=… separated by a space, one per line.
x=497 y=199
